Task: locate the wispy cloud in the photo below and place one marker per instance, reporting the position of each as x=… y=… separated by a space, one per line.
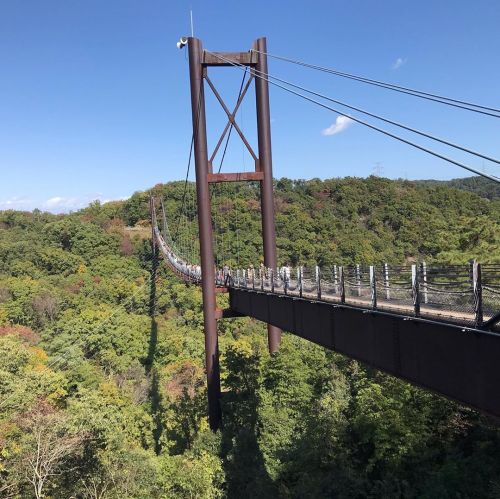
x=55 y=204
x=341 y=123
x=399 y=62
x=59 y=202
x=16 y=203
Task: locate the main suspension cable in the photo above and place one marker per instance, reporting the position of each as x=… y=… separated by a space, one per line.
x=382 y=118
x=468 y=106
x=362 y=122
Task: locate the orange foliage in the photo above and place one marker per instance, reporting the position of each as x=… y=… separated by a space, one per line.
x=26 y=334
x=187 y=377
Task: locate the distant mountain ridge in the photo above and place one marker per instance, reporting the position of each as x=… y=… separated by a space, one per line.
x=478 y=185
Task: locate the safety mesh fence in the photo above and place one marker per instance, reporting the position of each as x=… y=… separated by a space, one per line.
x=331 y=283
x=179 y=266
x=447 y=291
x=293 y=281
x=394 y=289
x=490 y=290
x=442 y=292
x=463 y=294
x=309 y=282
x=357 y=285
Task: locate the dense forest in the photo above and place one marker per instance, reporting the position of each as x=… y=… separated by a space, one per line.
x=479 y=185
x=102 y=387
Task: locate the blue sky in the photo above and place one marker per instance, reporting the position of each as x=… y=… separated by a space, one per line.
x=94 y=95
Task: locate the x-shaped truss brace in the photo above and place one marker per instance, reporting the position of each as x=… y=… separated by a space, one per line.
x=231 y=120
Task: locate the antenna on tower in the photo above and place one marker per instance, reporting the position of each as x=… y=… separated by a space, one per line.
x=191 y=16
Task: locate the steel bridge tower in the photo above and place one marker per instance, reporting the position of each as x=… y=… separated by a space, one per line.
x=199 y=63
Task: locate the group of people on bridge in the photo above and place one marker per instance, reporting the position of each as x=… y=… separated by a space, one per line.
x=190 y=270
x=226 y=274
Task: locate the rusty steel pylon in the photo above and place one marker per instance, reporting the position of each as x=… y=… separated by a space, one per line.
x=199 y=62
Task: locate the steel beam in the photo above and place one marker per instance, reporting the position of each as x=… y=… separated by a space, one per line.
x=198 y=66
x=245 y=58
x=228 y=124
x=235 y=177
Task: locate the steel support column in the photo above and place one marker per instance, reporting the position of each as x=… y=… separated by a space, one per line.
x=205 y=227
x=266 y=166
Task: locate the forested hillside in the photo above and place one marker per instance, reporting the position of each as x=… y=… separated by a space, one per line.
x=340 y=221
x=478 y=185
x=102 y=389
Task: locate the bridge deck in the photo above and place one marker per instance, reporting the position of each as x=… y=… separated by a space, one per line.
x=390 y=305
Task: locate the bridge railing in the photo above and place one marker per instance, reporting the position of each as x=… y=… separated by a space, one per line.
x=490 y=289
x=464 y=294
x=448 y=291
x=188 y=271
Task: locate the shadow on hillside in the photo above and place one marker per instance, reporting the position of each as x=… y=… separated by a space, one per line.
x=244 y=465
x=154 y=394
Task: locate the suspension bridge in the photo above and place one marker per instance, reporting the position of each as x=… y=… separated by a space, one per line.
x=435 y=326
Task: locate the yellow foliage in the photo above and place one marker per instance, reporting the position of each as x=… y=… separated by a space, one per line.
x=3 y=316
x=243 y=347
x=109 y=389
x=204 y=426
x=82 y=268
x=58 y=394
x=39 y=357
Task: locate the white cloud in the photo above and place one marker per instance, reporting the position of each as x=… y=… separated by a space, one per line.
x=55 y=201
x=399 y=62
x=55 y=204
x=16 y=203
x=62 y=204
x=341 y=123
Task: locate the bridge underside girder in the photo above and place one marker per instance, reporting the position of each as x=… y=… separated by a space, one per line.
x=461 y=364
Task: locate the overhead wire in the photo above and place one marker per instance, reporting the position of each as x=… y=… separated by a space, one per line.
x=462 y=104
x=386 y=120
x=176 y=232
x=362 y=122
x=237 y=232
x=191 y=226
x=166 y=229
